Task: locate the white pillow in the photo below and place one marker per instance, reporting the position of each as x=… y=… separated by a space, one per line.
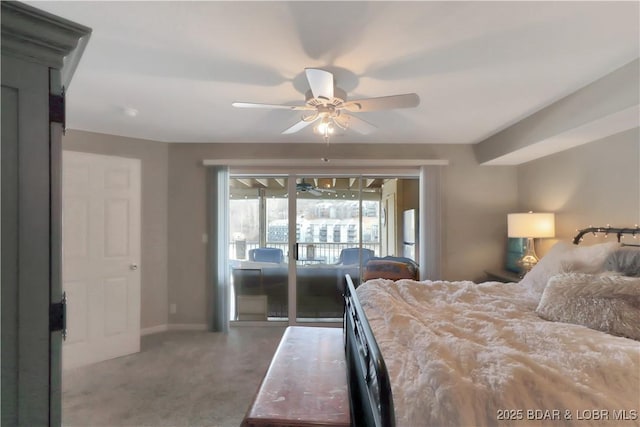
x=607 y=303
x=565 y=257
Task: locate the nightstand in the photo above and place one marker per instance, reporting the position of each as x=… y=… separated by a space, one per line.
x=502 y=276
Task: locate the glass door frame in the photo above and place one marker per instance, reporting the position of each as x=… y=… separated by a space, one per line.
x=293 y=314
x=292 y=176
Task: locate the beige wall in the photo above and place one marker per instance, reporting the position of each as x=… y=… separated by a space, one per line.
x=475 y=203
x=597 y=183
x=476 y=200
x=187 y=224
x=153 y=265
x=594 y=184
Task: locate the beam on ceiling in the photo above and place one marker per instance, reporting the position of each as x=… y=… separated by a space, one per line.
x=245 y=181
x=605 y=107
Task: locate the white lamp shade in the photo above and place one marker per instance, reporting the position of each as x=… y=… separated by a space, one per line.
x=531 y=225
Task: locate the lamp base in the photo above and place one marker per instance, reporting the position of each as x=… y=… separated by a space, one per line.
x=529 y=259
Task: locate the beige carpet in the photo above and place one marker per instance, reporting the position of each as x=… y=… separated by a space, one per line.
x=178 y=379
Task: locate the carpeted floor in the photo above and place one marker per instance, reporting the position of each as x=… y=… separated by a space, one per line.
x=178 y=379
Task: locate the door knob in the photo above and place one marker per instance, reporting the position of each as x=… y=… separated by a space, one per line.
x=133 y=267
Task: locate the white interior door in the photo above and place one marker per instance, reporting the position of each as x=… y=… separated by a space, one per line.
x=101 y=253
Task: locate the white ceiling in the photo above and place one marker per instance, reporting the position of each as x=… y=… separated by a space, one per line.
x=478 y=67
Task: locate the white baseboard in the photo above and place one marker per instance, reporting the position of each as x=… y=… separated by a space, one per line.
x=173 y=327
x=154 y=329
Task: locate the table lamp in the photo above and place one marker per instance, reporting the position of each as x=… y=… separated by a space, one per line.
x=530 y=225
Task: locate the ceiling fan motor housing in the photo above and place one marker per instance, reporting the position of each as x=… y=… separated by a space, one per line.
x=339 y=97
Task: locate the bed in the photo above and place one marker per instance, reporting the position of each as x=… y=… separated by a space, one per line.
x=561 y=347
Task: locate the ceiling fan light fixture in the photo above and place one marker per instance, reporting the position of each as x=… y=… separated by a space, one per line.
x=325 y=127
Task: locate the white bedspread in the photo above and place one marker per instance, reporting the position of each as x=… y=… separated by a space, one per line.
x=460 y=354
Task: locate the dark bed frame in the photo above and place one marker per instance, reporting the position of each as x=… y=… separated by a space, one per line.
x=369 y=386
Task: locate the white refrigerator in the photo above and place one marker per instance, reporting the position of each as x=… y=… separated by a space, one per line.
x=409 y=233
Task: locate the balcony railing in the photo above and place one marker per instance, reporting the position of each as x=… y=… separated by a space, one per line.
x=325 y=252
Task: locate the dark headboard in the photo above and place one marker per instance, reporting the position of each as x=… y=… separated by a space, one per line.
x=618 y=232
x=369 y=386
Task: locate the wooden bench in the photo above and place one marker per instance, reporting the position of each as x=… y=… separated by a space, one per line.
x=306 y=383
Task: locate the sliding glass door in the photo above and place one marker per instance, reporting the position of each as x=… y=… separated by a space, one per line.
x=258 y=251
x=293 y=239
x=337 y=231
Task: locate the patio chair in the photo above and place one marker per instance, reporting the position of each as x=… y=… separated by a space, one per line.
x=352 y=256
x=266 y=255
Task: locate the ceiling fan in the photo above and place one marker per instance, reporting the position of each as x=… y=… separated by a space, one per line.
x=328 y=104
x=307 y=187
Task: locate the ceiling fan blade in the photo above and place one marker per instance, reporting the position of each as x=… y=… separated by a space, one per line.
x=356 y=123
x=407 y=100
x=298 y=126
x=314 y=192
x=320 y=82
x=271 y=106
